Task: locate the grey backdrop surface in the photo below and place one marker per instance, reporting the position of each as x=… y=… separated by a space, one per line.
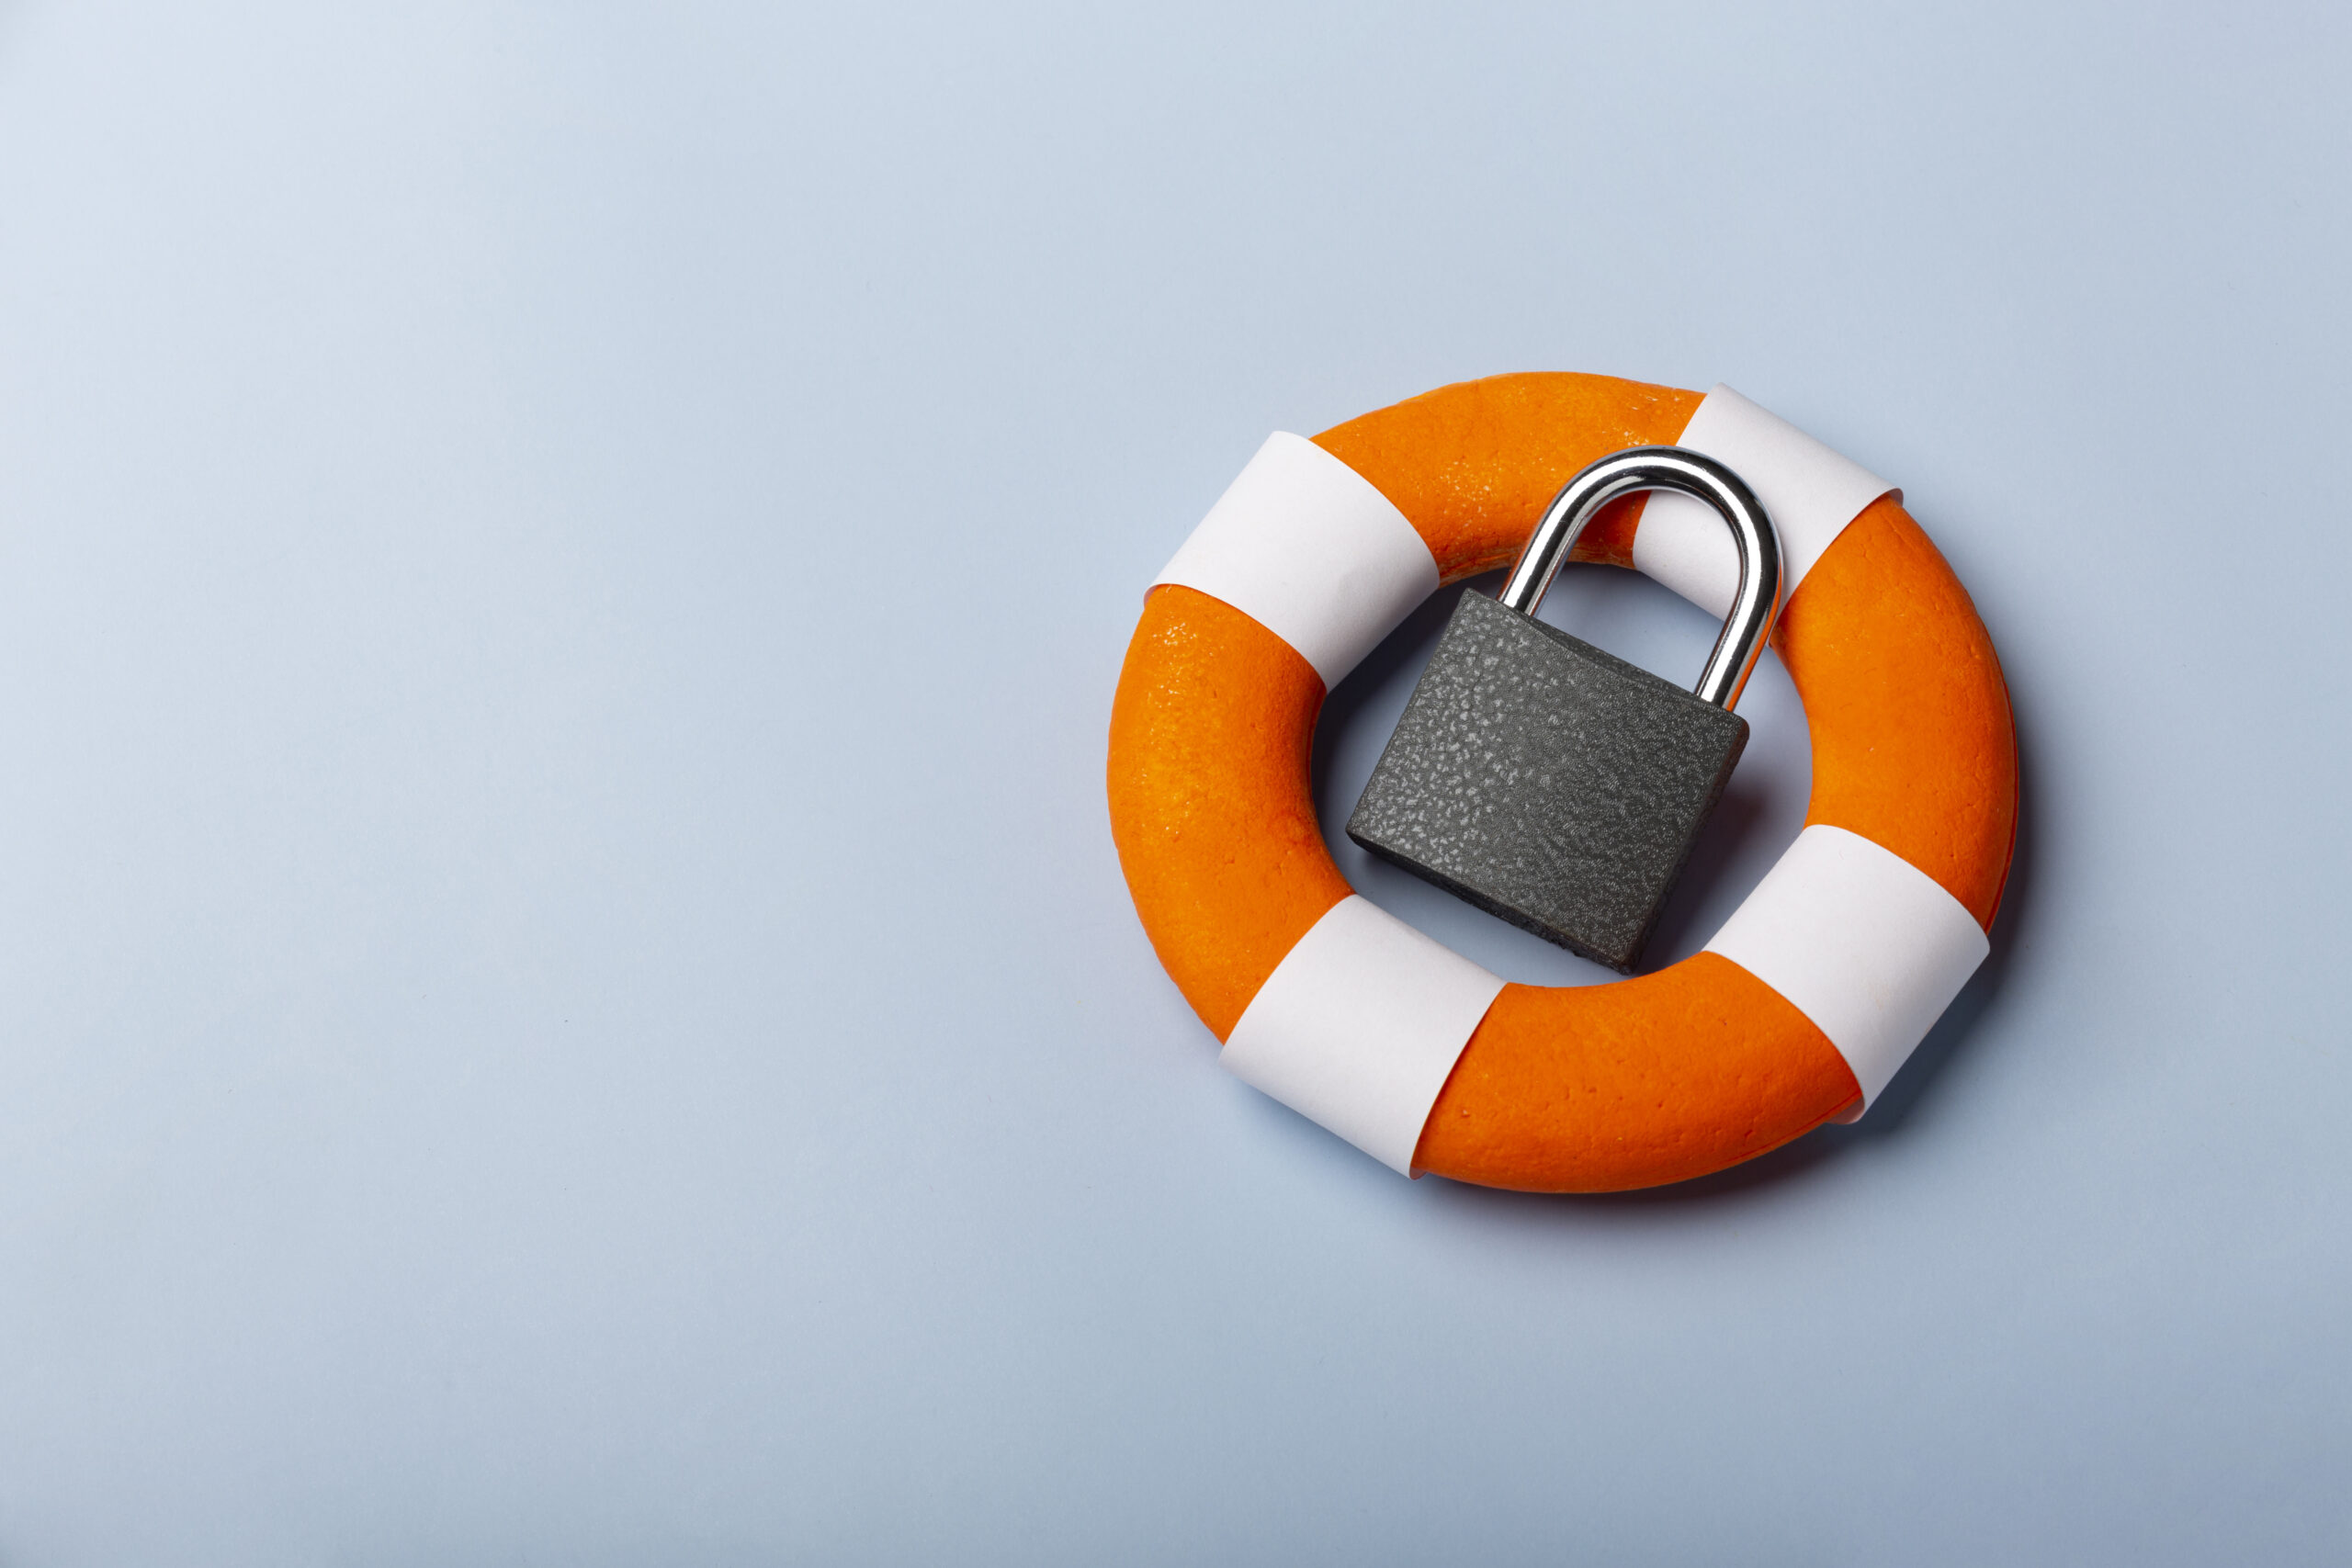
x=564 y=992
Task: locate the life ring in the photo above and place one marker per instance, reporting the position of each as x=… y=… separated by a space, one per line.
x=1795 y=1015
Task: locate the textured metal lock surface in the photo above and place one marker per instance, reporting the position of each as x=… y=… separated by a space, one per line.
x=1546 y=782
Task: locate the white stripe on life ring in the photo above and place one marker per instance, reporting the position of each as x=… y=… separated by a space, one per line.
x=1811 y=492
x=1306 y=547
x=1358 y=1026
x=1867 y=945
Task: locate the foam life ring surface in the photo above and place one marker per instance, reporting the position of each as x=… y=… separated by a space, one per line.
x=1798 y=1010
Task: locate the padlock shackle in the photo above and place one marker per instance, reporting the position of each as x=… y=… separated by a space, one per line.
x=1694 y=474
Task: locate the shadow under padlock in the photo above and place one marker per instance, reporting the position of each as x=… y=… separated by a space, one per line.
x=1556 y=786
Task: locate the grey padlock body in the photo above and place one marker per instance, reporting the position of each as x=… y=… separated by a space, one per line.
x=1550 y=783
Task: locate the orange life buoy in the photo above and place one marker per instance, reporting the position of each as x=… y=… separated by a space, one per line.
x=1645 y=1080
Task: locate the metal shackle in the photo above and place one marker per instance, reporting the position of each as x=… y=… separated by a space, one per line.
x=1693 y=473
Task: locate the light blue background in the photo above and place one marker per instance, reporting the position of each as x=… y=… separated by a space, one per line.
x=564 y=993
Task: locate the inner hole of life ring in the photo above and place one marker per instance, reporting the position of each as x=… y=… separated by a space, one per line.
x=1627 y=614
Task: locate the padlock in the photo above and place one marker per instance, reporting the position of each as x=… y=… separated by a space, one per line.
x=1553 y=785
